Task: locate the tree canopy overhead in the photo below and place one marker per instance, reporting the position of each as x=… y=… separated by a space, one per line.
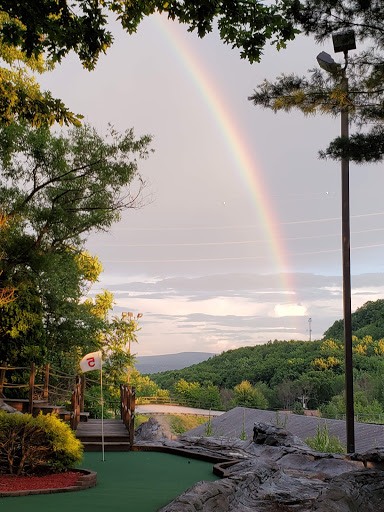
x=323 y=92
x=57 y=27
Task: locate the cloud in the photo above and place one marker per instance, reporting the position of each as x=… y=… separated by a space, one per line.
x=290 y=310
x=220 y=312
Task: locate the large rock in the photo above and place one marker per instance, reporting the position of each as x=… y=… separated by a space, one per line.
x=277 y=472
x=7 y=408
x=264 y=433
x=150 y=430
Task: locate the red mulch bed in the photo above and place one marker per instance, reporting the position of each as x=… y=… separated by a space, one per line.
x=27 y=483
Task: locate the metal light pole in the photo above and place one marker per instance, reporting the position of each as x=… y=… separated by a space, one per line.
x=131 y=318
x=343 y=42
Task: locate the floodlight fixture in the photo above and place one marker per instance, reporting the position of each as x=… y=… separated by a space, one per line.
x=344 y=41
x=327 y=63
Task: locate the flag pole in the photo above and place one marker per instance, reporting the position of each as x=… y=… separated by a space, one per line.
x=102 y=406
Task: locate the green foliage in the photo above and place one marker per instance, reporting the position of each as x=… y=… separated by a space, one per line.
x=208 y=428
x=181 y=424
x=323 y=442
x=243 y=434
x=20 y=94
x=55 y=190
x=56 y=29
x=247 y=396
x=298 y=408
x=117 y=341
x=366 y=408
x=38 y=445
x=368 y=320
x=281 y=374
x=279 y=421
x=324 y=92
x=206 y=396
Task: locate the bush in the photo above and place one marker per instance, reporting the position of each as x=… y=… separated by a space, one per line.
x=38 y=445
x=323 y=442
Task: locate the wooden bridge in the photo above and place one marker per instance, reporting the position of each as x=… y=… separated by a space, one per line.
x=118 y=434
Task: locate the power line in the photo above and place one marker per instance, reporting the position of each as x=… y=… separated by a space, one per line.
x=238 y=258
x=249 y=226
x=241 y=242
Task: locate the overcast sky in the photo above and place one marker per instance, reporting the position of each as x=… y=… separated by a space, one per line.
x=239 y=240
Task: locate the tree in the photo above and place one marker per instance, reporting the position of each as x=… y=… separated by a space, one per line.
x=366 y=320
x=55 y=190
x=34 y=28
x=7 y=293
x=323 y=92
x=247 y=396
x=46 y=26
x=20 y=94
x=117 y=340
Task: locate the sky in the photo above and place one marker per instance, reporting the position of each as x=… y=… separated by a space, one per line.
x=238 y=240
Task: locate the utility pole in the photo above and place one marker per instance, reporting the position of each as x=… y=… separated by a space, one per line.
x=310 y=328
x=343 y=42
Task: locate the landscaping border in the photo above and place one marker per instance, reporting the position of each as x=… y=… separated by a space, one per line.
x=220 y=463
x=86 y=480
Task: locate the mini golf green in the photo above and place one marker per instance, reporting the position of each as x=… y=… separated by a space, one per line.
x=127 y=481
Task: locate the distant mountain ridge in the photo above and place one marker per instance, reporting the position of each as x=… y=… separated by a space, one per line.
x=163 y=363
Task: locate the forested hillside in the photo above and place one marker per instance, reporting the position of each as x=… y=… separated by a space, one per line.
x=290 y=374
x=366 y=321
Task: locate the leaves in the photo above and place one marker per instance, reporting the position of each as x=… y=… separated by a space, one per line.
x=357 y=86
x=55 y=190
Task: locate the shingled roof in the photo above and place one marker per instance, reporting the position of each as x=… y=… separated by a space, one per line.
x=368 y=436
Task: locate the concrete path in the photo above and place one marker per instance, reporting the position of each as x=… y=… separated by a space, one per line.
x=174 y=409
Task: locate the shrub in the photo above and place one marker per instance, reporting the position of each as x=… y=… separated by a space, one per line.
x=38 y=445
x=323 y=442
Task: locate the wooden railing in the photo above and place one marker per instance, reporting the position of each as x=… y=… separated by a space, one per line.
x=127 y=408
x=163 y=400
x=35 y=390
x=75 y=405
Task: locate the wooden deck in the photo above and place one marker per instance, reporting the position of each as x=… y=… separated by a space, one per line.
x=116 y=437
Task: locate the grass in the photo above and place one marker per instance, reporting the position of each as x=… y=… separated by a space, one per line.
x=137 y=481
x=324 y=442
x=178 y=423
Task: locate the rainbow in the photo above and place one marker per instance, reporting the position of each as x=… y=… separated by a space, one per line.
x=230 y=128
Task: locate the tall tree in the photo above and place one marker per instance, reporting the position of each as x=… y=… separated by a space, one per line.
x=55 y=189
x=323 y=92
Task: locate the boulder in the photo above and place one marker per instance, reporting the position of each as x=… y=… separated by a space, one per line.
x=7 y=408
x=277 y=472
x=264 y=433
x=150 y=430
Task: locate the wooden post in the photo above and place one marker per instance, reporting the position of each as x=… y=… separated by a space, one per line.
x=46 y=382
x=121 y=402
x=31 y=387
x=75 y=405
x=72 y=419
x=82 y=392
x=132 y=417
x=78 y=387
x=2 y=379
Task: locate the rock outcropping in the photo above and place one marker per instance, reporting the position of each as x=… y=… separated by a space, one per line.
x=277 y=472
x=7 y=408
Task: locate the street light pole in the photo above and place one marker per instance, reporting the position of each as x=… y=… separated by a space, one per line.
x=131 y=319
x=343 y=42
x=346 y=246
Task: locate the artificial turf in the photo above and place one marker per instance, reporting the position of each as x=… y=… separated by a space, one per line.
x=127 y=481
